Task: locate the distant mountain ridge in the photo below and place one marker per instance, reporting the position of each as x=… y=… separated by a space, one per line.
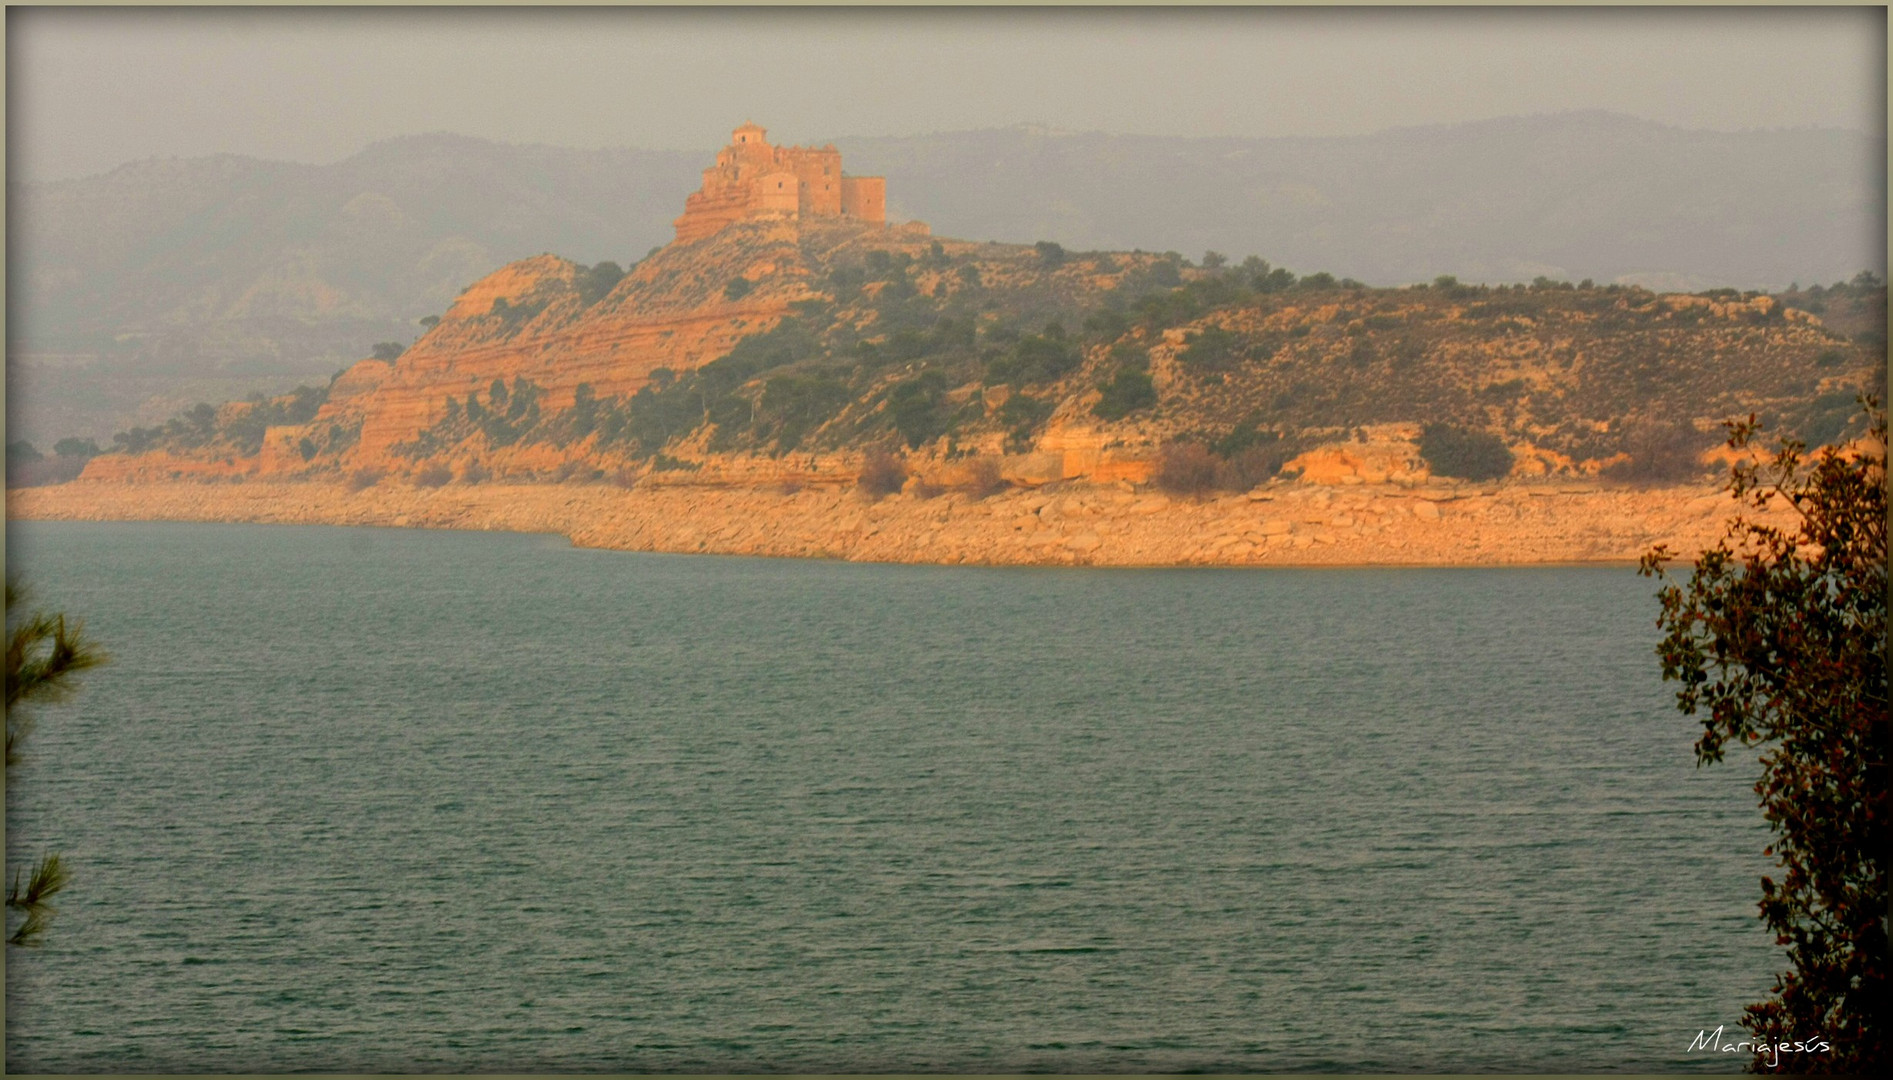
x=163 y=281
x=1585 y=194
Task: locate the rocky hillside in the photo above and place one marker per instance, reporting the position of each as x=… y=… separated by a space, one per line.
x=773 y=352
x=144 y=289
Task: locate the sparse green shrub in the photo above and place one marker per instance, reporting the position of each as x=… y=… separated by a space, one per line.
x=1050 y=254
x=389 y=351
x=1464 y=453
x=983 y=478
x=77 y=448
x=595 y=283
x=1035 y=359
x=738 y=288
x=1023 y=416
x=1661 y=454
x=1275 y=280
x=799 y=404
x=433 y=476
x=919 y=408
x=1212 y=349
x=1127 y=392
x=364 y=478
x=1186 y=468
x=474 y=473
x=882 y=474
x=1246 y=468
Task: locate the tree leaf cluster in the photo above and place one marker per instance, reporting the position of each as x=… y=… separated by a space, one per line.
x=1778 y=641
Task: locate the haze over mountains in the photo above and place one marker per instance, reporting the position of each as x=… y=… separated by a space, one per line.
x=160 y=283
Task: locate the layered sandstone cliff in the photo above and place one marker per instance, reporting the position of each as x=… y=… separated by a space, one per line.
x=791 y=339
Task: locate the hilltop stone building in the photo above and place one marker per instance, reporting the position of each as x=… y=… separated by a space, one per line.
x=752 y=178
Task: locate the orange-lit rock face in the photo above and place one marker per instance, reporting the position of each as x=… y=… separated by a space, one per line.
x=752 y=178
x=528 y=320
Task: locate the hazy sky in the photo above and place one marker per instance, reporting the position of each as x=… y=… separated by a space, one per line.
x=88 y=89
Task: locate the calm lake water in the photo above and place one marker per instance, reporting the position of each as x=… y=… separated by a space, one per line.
x=363 y=800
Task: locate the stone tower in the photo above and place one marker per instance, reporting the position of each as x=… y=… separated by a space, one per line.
x=753 y=179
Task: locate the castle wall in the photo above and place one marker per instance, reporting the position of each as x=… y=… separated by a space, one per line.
x=776 y=193
x=751 y=177
x=864 y=197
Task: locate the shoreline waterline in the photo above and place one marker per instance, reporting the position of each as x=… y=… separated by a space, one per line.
x=1074 y=525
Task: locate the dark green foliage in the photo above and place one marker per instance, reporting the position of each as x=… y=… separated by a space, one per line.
x=969 y=275
x=919 y=408
x=389 y=351
x=505 y=417
x=1275 y=280
x=1160 y=311
x=22 y=453
x=799 y=404
x=242 y=431
x=245 y=430
x=1165 y=272
x=1035 y=359
x=1246 y=435
x=306 y=447
x=738 y=288
x=596 y=282
x=1050 y=254
x=1127 y=392
x=1107 y=324
x=1830 y=418
x=1779 y=637
x=137 y=440
x=430 y=321
x=1211 y=349
x=513 y=316
x=582 y=418
x=1023 y=416
x=1319 y=280
x=899 y=287
x=433 y=476
x=79 y=448
x=45 y=656
x=1464 y=453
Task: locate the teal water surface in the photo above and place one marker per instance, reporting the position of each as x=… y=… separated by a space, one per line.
x=364 y=800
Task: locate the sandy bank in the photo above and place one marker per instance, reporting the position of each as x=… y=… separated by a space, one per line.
x=1277 y=525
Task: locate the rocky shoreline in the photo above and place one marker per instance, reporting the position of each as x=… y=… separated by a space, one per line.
x=1278 y=524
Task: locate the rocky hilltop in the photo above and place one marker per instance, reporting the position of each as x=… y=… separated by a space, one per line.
x=785 y=345
x=163 y=283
